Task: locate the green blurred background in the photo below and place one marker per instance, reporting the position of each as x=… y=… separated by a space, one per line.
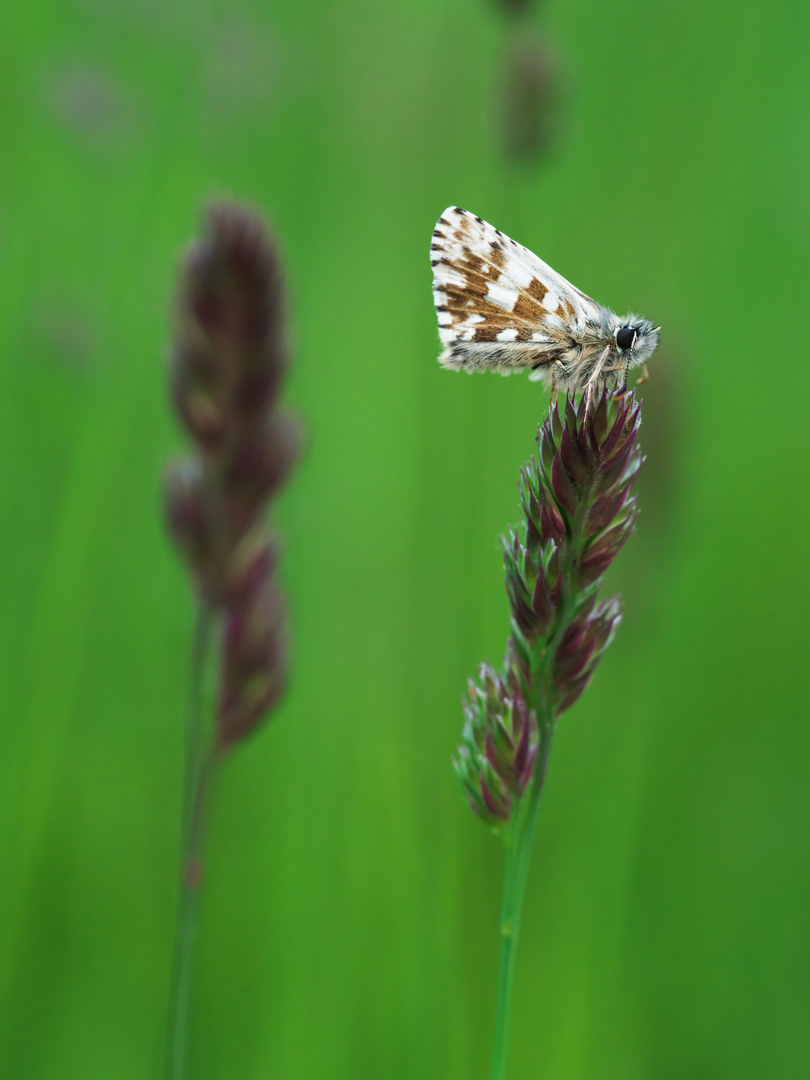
x=349 y=925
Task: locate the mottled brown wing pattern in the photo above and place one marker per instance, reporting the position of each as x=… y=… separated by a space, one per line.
x=499 y=306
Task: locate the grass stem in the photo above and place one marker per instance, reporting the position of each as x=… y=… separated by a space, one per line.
x=198 y=783
x=516 y=872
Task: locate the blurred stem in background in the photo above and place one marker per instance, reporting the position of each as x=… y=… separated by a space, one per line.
x=578 y=512
x=228 y=362
x=197 y=790
x=528 y=95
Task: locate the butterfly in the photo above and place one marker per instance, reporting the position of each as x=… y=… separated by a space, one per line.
x=500 y=308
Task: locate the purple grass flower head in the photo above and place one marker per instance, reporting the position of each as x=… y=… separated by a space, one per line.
x=578 y=512
x=227 y=365
x=498 y=744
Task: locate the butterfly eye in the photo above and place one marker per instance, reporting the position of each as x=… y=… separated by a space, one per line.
x=625 y=338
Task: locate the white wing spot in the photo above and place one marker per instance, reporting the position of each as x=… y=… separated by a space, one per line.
x=504 y=298
x=519 y=274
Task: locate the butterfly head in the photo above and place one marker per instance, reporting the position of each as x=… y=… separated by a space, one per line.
x=636 y=339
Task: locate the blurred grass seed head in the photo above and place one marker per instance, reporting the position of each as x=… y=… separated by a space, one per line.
x=228 y=360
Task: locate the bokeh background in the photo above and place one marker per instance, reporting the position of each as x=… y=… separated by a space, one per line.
x=657 y=154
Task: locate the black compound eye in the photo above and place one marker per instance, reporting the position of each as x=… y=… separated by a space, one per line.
x=625 y=337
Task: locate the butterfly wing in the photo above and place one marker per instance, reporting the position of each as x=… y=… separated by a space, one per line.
x=498 y=305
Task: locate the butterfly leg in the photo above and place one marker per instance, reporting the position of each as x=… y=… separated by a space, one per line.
x=555 y=390
x=598 y=372
x=622 y=368
x=622 y=390
x=644 y=377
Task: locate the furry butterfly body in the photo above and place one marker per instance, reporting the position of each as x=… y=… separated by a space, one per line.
x=501 y=308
